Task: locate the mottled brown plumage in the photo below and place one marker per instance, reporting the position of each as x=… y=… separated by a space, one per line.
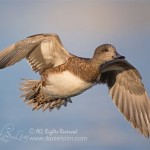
x=79 y=67
x=64 y=75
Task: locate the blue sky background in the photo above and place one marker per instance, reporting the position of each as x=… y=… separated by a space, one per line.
x=82 y=26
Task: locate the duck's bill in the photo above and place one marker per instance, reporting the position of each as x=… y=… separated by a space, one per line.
x=118 y=56
x=121 y=57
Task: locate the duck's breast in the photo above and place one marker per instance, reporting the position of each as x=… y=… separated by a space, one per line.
x=65 y=84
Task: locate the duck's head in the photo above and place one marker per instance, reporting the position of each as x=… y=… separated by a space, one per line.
x=106 y=52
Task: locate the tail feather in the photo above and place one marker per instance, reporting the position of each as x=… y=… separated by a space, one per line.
x=30 y=89
x=34 y=95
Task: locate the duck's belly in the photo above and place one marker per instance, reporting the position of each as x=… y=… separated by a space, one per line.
x=65 y=84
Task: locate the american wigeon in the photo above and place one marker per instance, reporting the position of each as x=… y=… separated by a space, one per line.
x=64 y=75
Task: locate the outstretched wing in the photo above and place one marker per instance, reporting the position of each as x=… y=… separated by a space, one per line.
x=42 y=51
x=128 y=93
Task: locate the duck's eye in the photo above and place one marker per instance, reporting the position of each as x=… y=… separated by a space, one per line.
x=105 y=50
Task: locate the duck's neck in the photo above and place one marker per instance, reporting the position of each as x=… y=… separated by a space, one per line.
x=96 y=62
x=84 y=68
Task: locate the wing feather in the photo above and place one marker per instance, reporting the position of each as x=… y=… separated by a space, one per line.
x=42 y=51
x=128 y=93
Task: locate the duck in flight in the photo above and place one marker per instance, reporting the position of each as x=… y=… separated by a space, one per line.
x=64 y=75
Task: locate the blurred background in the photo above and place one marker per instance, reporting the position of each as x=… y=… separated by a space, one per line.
x=82 y=26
